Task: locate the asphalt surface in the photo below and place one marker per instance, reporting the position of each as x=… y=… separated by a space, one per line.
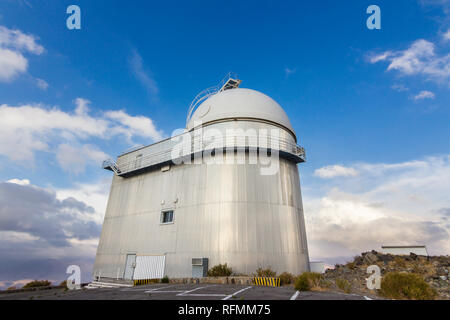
x=183 y=292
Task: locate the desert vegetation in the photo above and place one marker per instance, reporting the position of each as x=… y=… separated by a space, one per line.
x=220 y=270
x=406 y=286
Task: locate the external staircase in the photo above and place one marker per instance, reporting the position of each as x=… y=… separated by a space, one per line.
x=110 y=283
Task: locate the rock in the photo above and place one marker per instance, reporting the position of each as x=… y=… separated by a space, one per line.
x=385 y=258
x=358 y=260
x=442 y=271
x=370 y=258
x=434 y=269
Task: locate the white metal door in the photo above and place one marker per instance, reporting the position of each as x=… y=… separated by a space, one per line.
x=149 y=267
x=129 y=267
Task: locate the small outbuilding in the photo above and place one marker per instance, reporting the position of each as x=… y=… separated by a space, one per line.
x=405 y=250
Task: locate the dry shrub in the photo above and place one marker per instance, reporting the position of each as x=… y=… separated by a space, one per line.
x=400 y=262
x=308 y=281
x=269 y=273
x=37 y=283
x=351 y=265
x=406 y=286
x=344 y=285
x=220 y=270
x=286 y=278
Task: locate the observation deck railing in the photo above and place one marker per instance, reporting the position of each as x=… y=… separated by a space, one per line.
x=162 y=152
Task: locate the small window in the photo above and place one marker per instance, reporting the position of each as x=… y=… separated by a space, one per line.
x=167 y=217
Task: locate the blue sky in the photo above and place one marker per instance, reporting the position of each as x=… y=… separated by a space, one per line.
x=371 y=107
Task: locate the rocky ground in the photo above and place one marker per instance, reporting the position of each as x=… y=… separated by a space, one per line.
x=434 y=270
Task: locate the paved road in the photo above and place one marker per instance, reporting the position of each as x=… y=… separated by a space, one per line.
x=183 y=292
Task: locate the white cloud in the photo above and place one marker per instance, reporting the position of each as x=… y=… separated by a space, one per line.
x=29 y=128
x=19 y=41
x=134 y=125
x=74 y=159
x=42 y=84
x=335 y=171
x=401 y=203
x=446 y=35
x=12 y=63
x=13 y=43
x=93 y=194
x=411 y=60
x=82 y=106
x=137 y=67
x=424 y=95
x=419 y=59
x=382 y=168
x=26 y=129
x=22 y=182
x=399 y=87
x=380 y=57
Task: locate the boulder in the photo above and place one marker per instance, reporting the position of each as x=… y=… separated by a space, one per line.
x=358 y=260
x=370 y=258
x=441 y=271
x=385 y=258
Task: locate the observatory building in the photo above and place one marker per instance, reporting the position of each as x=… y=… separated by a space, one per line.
x=224 y=190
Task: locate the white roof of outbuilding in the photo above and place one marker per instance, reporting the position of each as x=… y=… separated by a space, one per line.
x=240 y=103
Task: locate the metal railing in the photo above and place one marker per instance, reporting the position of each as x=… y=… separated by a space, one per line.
x=205 y=94
x=111 y=165
x=198 y=145
x=134 y=148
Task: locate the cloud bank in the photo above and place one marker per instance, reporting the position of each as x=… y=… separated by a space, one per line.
x=42 y=234
x=27 y=129
x=384 y=204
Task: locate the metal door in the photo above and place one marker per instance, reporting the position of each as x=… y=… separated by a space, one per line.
x=129 y=267
x=138 y=162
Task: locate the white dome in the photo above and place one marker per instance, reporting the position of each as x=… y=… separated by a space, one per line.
x=240 y=103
